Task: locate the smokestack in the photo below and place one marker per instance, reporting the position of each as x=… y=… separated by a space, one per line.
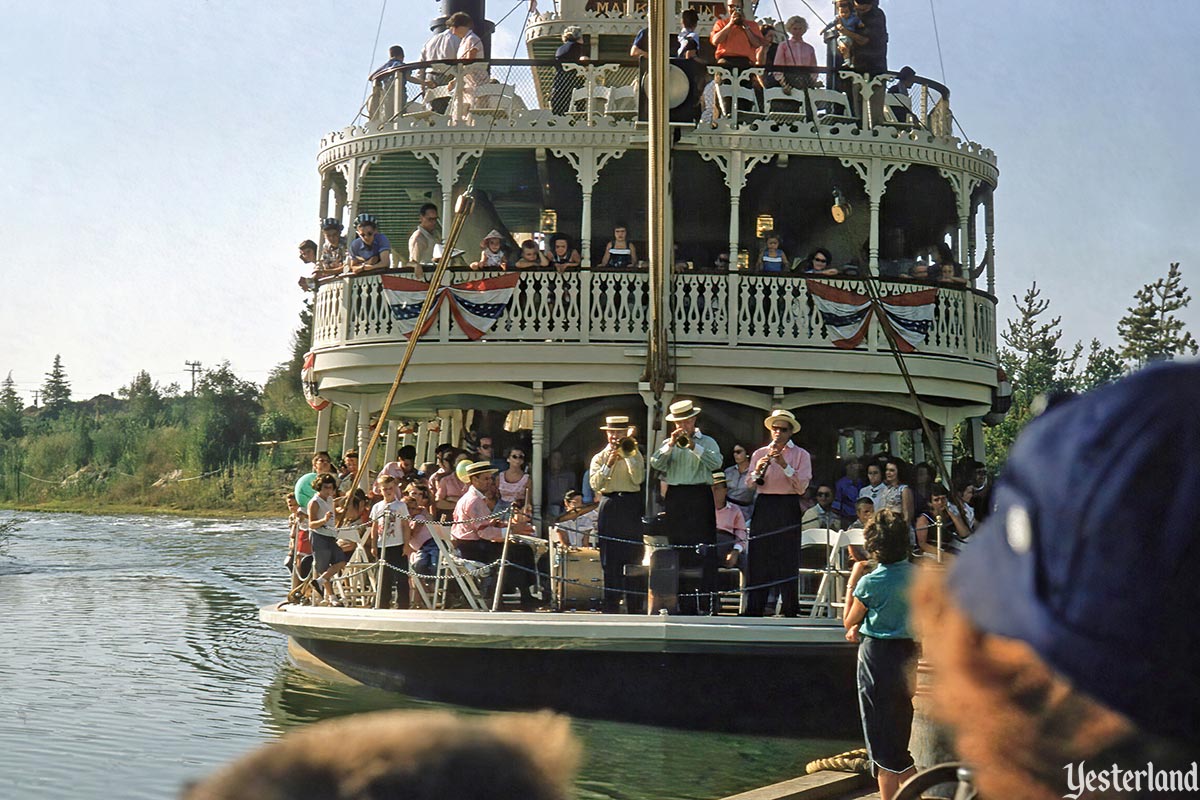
x=477 y=11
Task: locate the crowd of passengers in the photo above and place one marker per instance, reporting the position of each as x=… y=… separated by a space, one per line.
x=371 y=251
x=329 y=514
x=856 y=40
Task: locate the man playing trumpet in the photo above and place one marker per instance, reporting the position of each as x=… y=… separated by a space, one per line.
x=782 y=472
x=616 y=476
x=688 y=458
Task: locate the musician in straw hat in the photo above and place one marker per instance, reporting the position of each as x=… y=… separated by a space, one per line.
x=688 y=458
x=616 y=475
x=478 y=538
x=782 y=471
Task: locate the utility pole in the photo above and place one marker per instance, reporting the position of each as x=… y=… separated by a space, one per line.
x=37 y=393
x=194 y=368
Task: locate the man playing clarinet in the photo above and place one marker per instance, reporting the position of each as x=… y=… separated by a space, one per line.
x=782 y=472
x=688 y=458
x=616 y=477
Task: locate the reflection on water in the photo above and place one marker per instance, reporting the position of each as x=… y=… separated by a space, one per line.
x=134 y=660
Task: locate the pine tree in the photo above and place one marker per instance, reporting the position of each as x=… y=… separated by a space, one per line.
x=1103 y=366
x=56 y=391
x=11 y=409
x=144 y=396
x=1036 y=365
x=1151 y=330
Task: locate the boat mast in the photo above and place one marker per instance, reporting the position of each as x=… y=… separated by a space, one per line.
x=659 y=370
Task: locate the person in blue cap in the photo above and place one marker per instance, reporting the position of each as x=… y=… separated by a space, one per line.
x=1066 y=658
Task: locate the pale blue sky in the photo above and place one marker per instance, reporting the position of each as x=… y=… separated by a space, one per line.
x=159 y=162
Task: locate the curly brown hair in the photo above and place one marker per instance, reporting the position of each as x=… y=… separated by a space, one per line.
x=886 y=538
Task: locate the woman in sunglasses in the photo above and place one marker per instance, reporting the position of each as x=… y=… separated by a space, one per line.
x=513 y=482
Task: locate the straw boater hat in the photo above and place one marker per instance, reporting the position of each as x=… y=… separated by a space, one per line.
x=718 y=478
x=681 y=410
x=615 y=423
x=492 y=234
x=477 y=468
x=780 y=415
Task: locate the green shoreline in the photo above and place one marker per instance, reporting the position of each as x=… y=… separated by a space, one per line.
x=123 y=509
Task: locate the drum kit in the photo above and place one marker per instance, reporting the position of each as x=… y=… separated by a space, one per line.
x=575 y=570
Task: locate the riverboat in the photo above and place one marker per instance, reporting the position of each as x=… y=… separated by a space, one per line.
x=867 y=358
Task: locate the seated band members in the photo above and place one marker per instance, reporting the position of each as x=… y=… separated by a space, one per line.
x=579 y=527
x=782 y=471
x=688 y=458
x=478 y=538
x=616 y=474
x=562 y=255
x=731 y=525
x=371 y=250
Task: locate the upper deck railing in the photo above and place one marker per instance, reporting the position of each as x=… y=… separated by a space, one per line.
x=591 y=93
x=714 y=309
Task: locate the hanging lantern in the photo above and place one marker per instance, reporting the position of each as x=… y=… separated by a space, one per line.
x=841 y=209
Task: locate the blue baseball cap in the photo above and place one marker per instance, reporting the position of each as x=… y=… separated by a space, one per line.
x=1088 y=554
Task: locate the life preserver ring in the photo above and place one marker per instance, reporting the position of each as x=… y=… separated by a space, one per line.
x=308 y=384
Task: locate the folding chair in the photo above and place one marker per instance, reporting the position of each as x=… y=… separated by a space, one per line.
x=622 y=102
x=830 y=107
x=833 y=581
x=453 y=566
x=815 y=539
x=780 y=106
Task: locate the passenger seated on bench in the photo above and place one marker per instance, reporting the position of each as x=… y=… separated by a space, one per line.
x=731 y=524
x=864 y=508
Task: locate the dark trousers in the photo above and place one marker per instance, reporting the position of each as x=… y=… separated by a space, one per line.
x=774 y=559
x=391 y=579
x=519 y=573
x=620 y=517
x=692 y=520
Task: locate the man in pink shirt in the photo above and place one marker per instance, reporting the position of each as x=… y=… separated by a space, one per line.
x=478 y=538
x=782 y=472
x=731 y=523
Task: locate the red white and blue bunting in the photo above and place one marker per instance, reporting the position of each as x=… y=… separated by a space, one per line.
x=847 y=314
x=476 y=305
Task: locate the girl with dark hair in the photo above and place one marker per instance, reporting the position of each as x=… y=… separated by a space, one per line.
x=896 y=495
x=562 y=255
x=619 y=253
x=328 y=558
x=877 y=616
x=820 y=262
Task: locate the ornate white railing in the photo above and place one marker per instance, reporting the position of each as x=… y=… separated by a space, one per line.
x=734 y=309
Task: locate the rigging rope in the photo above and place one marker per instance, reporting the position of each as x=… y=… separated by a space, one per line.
x=374 y=49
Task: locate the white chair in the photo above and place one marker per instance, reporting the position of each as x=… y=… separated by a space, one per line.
x=463 y=571
x=579 y=100
x=780 y=106
x=496 y=100
x=816 y=539
x=833 y=580
x=898 y=110
x=832 y=107
x=739 y=100
x=622 y=102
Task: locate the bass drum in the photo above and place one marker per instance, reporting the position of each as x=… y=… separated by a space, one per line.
x=578 y=579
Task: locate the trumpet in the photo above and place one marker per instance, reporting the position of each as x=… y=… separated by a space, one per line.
x=681 y=439
x=627 y=445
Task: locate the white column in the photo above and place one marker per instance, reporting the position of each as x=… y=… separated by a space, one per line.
x=978 y=448
x=989 y=227
x=364 y=436
x=349 y=431
x=392 y=445
x=537 y=453
x=894 y=443
x=859 y=444
x=422 y=443
x=918 y=438
x=322 y=439
x=948 y=448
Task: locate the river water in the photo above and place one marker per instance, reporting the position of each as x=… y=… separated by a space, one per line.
x=133 y=660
